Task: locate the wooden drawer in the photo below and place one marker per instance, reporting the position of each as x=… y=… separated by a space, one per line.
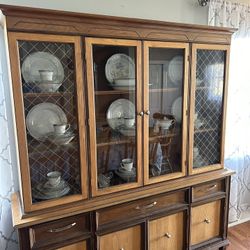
x=206 y=189
x=77 y=246
x=205 y=222
x=127 y=239
x=167 y=232
x=59 y=231
x=140 y=208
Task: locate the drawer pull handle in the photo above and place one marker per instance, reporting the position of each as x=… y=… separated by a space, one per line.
x=122 y=248
x=168 y=235
x=147 y=206
x=207 y=221
x=60 y=229
x=212 y=187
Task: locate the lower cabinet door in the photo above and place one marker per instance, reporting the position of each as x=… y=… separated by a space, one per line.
x=167 y=233
x=205 y=222
x=127 y=239
x=77 y=246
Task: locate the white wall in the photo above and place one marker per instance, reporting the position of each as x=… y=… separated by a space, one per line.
x=186 y=11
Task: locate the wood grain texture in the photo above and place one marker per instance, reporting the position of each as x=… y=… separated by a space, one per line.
x=21 y=220
x=139 y=209
x=202 y=230
x=195 y=47
x=127 y=239
x=13 y=38
x=89 y=43
x=77 y=246
x=167 y=232
x=239 y=237
x=167 y=45
x=59 y=22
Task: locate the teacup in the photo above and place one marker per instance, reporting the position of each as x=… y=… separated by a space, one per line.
x=127 y=164
x=46 y=75
x=54 y=178
x=60 y=129
x=166 y=123
x=129 y=122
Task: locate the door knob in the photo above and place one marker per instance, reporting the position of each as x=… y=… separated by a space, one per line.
x=207 y=221
x=168 y=235
x=147 y=112
x=141 y=113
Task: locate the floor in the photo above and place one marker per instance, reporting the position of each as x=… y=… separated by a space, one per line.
x=239 y=237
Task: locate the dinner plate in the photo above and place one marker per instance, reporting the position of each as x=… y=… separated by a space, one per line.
x=119 y=109
x=42 y=117
x=176 y=109
x=41 y=61
x=119 y=66
x=175 y=70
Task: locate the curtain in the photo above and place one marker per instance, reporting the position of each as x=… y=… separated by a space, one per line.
x=237 y=146
x=8 y=181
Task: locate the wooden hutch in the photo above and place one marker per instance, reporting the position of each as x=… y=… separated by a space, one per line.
x=140 y=108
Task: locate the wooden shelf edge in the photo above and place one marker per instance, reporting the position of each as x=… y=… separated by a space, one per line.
x=21 y=220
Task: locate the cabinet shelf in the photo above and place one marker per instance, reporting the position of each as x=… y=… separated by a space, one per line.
x=46 y=94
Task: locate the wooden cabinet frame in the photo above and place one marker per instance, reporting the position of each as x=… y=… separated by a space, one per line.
x=220 y=165
x=25 y=182
x=89 y=42
x=146 y=46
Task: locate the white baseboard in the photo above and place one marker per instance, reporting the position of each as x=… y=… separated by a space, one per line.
x=244 y=218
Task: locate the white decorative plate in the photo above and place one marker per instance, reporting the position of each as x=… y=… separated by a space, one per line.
x=119 y=66
x=176 y=109
x=119 y=109
x=42 y=117
x=175 y=70
x=41 y=61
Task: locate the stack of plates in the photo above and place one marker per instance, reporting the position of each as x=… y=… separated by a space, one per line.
x=44 y=191
x=127 y=176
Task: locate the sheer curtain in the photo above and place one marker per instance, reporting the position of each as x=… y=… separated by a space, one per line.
x=237 y=151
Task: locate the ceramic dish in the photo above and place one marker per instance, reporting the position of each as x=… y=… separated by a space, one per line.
x=42 y=61
x=62 y=139
x=128 y=131
x=175 y=70
x=176 y=109
x=42 y=117
x=119 y=66
x=43 y=192
x=119 y=109
x=127 y=176
x=48 y=87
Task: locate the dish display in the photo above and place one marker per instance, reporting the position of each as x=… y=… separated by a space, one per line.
x=62 y=139
x=175 y=70
x=123 y=84
x=42 y=117
x=127 y=176
x=36 y=62
x=176 y=109
x=44 y=191
x=119 y=109
x=128 y=131
x=119 y=66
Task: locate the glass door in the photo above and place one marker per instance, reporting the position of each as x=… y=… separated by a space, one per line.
x=48 y=91
x=114 y=92
x=165 y=109
x=207 y=107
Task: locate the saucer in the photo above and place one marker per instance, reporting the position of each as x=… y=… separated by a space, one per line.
x=61 y=139
x=44 y=191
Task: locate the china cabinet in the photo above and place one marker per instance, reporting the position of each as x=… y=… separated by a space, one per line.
x=120 y=131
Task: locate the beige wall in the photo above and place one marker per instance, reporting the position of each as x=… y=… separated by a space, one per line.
x=186 y=11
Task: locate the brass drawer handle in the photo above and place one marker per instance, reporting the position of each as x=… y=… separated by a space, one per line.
x=168 y=235
x=207 y=221
x=147 y=206
x=60 y=229
x=212 y=187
